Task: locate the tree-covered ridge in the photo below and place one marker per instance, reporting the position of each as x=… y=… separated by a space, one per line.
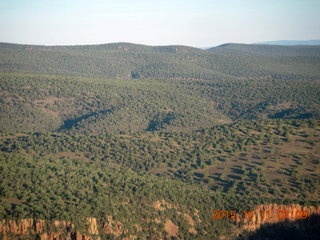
x=86 y=105
x=124 y=60
x=157 y=137
x=247 y=99
x=267 y=50
x=64 y=189
x=232 y=159
x=97 y=105
x=70 y=177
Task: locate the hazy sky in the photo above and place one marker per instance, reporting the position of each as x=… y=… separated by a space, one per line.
x=199 y=23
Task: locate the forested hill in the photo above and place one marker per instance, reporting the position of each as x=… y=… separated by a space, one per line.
x=126 y=60
x=150 y=142
x=268 y=50
x=124 y=87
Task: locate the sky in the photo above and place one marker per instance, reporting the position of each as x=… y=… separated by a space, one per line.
x=198 y=23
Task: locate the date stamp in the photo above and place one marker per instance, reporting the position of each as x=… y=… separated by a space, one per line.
x=250 y=215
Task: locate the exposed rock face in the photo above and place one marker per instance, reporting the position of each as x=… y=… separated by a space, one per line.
x=55 y=230
x=92 y=226
x=163 y=205
x=64 y=230
x=112 y=226
x=273 y=213
x=172 y=229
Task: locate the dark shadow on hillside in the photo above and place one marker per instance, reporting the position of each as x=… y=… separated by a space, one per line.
x=292 y=113
x=308 y=229
x=160 y=121
x=70 y=123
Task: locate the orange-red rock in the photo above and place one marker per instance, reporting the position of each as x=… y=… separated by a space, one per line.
x=273 y=213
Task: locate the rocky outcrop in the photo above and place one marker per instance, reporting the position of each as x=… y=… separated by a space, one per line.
x=113 y=227
x=249 y=220
x=92 y=226
x=273 y=213
x=59 y=230
x=171 y=229
x=163 y=205
x=44 y=230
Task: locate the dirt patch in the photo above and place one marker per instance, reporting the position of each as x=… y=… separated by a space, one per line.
x=49 y=112
x=51 y=100
x=26 y=87
x=163 y=205
x=171 y=229
x=191 y=222
x=156 y=139
x=45 y=105
x=189 y=219
x=157 y=220
x=192 y=230
x=12 y=98
x=11 y=200
x=70 y=155
x=159 y=170
x=280 y=106
x=196 y=214
x=224 y=121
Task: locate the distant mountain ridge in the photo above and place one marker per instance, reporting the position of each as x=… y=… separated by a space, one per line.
x=127 y=60
x=267 y=50
x=291 y=42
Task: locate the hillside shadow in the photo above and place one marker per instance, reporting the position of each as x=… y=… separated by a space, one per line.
x=160 y=121
x=234 y=177
x=236 y=170
x=308 y=229
x=291 y=113
x=70 y=123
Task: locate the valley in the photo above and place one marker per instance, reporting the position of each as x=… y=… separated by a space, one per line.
x=126 y=141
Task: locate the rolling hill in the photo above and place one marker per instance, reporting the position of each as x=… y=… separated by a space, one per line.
x=124 y=60
x=292 y=42
x=126 y=141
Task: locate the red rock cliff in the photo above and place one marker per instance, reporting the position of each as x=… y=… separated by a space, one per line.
x=273 y=213
x=55 y=230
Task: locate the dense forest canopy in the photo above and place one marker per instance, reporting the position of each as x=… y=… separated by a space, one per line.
x=124 y=60
x=114 y=129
